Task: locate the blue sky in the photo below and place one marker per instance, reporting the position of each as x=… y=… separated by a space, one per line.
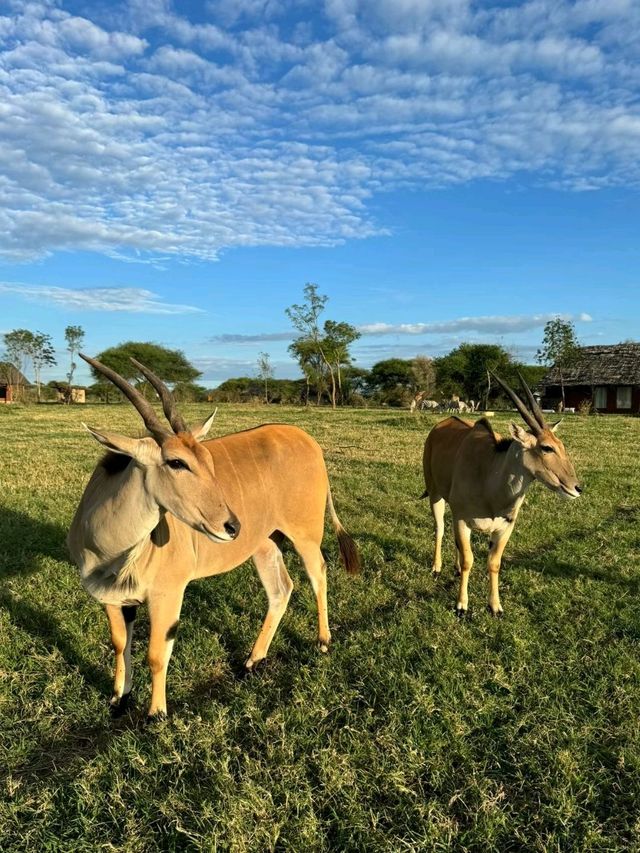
x=444 y=170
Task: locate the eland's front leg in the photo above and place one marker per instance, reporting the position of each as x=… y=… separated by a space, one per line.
x=164 y=615
x=497 y=544
x=121 y=625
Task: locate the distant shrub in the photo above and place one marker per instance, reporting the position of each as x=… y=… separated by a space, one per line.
x=585 y=408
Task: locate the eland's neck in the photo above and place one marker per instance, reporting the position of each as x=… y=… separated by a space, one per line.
x=114 y=519
x=510 y=481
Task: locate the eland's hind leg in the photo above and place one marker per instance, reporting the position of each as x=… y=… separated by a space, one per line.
x=278 y=586
x=316 y=569
x=463 y=544
x=437 y=509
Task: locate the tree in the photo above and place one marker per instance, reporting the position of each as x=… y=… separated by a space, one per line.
x=305 y=318
x=337 y=339
x=42 y=353
x=465 y=371
x=306 y=353
x=424 y=373
x=170 y=365
x=18 y=345
x=23 y=346
x=390 y=374
x=265 y=372
x=559 y=348
x=74 y=336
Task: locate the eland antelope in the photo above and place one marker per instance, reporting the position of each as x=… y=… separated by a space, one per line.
x=160 y=511
x=484 y=477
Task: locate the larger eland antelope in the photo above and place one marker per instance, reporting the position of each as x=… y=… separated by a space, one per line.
x=484 y=477
x=160 y=511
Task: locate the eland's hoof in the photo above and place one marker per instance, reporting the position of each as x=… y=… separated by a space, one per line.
x=158 y=717
x=119 y=706
x=461 y=612
x=323 y=647
x=435 y=573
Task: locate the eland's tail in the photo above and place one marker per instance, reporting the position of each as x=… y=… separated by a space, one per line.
x=348 y=549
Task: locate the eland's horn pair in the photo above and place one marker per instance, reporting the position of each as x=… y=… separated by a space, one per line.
x=531 y=415
x=155 y=426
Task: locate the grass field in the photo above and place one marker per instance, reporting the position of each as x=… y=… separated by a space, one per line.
x=417 y=731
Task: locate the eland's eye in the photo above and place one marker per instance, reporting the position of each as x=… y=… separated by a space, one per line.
x=177 y=464
x=547 y=449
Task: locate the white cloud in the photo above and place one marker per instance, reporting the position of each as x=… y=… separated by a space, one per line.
x=131 y=300
x=136 y=130
x=482 y=325
x=503 y=325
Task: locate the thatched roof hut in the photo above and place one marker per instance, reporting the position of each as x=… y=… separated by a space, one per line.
x=607 y=375
x=11 y=380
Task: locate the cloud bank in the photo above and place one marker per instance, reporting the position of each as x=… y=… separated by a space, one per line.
x=505 y=325
x=132 y=130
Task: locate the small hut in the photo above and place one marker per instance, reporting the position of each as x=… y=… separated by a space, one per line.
x=607 y=376
x=11 y=381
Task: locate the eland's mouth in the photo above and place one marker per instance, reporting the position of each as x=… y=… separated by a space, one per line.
x=569 y=494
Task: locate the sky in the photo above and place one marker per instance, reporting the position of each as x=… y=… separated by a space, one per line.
x=443 y=170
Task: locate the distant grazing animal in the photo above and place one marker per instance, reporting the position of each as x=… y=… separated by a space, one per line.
x=429 y=405
x=161 y=511
x=455 y=404
x=484 y=477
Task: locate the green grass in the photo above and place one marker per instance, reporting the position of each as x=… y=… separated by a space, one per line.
x=417 y=732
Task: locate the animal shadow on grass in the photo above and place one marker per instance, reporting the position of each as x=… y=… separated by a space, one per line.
x=25 y=541
x=541 y=558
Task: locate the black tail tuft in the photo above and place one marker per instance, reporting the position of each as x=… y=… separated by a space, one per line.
x=349 y=552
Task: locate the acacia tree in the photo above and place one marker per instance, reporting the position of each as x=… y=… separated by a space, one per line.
x=305 y=318
x=338 y=337
x=312 y=366
x=170 y=365
x=321 y=354
x=559 y=348
x=42 y=353
x=265 y=372
x=74 y=336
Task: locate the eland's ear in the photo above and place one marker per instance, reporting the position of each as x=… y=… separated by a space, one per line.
x=143 y=450
x=555 y=426
x=521 y=435
x=199 y=431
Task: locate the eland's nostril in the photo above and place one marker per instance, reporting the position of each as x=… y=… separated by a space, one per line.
x=579 y=489
x=232 y=527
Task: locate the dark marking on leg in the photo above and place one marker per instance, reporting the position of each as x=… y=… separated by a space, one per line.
x=173 y=630
x=129 y=612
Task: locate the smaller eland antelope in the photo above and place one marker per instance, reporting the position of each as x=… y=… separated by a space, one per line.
x=484 y=477
x=160 y=511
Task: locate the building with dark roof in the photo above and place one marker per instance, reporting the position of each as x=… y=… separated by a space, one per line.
x=608 y=376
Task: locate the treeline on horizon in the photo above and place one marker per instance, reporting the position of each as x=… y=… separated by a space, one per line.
x=463 y=372
x=323 y=353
